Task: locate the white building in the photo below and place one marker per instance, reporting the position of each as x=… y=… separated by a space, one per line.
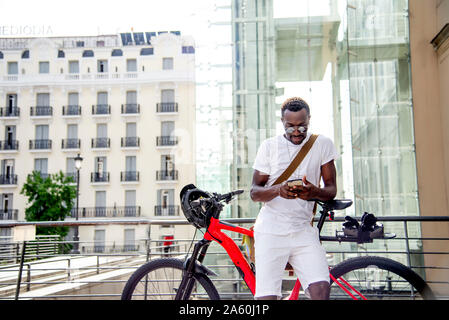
x=125 y=103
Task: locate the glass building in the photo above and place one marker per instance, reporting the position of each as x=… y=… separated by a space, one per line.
x=349 y=59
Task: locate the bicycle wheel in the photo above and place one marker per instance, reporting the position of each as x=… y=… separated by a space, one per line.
x=160 y=279
x=379 y=278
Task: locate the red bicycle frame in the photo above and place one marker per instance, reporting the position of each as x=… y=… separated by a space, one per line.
x=214 y=233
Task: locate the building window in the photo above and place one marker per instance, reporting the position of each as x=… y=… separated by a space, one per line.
x=26 y=54
x=138 y=38
x=74 y=67
x=131 y=65
x=41 y=165
x=188 y=49
x=88 y=53
x=129 y=244
x=117 y=53
x=61 y=54
x=99 y=236
x=44 y=67
x=102 y=66
x=167 y=63
x=13 y=68
x=146 y=51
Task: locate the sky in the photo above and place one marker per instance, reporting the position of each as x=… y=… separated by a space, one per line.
x=83 y=17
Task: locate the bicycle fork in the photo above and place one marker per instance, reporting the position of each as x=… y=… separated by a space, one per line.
x=190 y=268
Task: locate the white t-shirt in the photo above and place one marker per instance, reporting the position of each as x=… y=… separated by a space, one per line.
x=280 y=215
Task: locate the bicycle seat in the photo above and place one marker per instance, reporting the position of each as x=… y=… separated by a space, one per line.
x=336 y=204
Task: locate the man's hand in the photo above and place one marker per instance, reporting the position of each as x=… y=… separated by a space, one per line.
x=307 y=191
x=288 y=192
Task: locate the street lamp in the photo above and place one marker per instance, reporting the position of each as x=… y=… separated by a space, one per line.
x=78 y=162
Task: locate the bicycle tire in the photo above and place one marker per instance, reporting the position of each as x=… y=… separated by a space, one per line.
x=378 y=282
x=146 y=282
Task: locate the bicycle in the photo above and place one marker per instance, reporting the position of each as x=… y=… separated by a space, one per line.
x=357 y=278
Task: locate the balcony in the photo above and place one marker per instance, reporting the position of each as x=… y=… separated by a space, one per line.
x=99 y=177
x=41 y=111
x=167 y=107
x=40 y=144
x=101 y=143
x=129 y=176
x=73 y=175
x=130 y=142
x=164 y=175
x=8 y=179
x=166 y=141
x=101 y=109
x=9 y=214
x=71 y=144
x=9 y=112
x=9 y=145
x=130 y=109
x=167 y=210
x=71 y=111
x=107 y=212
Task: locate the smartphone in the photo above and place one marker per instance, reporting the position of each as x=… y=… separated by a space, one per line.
x=295 y=182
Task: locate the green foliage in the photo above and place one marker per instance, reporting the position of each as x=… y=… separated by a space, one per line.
x=49 y=199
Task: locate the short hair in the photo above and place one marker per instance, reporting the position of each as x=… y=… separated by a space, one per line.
x=295 y=104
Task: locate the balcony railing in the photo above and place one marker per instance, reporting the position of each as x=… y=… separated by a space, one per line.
x=101 y=143
x=9 y=214
x=130 y=141
x=8 y=179
x=10 y=112
x=130 y=108
x=163 y=141
x=109 y=212
x=41 y=111
x=164 y=175
x=40 y=144
x=99 y=177
x=9 y=145
x=71 y=144
x=72 y=174
x=71 y=110
x=129 y=176
x=167 y=107
x=100 y=109
x=168 y=210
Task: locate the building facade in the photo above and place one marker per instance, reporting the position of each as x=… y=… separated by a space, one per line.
x=125 y=103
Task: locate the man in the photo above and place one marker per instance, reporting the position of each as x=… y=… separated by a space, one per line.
x=283 y=231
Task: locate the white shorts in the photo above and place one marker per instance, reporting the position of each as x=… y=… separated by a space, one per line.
x=302 y=250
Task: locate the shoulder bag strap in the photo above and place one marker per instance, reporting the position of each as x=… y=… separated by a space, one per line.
x=297 y=160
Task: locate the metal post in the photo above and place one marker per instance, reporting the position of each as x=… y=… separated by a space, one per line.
x=19 y=278
x=76 y=235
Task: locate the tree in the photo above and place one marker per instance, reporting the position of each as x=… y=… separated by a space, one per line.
x=49 y=199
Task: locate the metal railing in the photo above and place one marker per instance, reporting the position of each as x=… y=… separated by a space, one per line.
x=9 y=145
x=101 y=269
x=71 y=143
x=163 y=107
x=163 y=141
x=71 y=110
x=99 y=177
x=40 y=144
x=8 y=179
x=130 y=108
x=10 y=112
x=127 y=142
x=41 y=111
x=108 y=212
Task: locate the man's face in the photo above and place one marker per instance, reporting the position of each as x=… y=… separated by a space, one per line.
x=295 y=120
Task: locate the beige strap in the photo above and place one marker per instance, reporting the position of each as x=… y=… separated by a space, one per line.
x=298 y=159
